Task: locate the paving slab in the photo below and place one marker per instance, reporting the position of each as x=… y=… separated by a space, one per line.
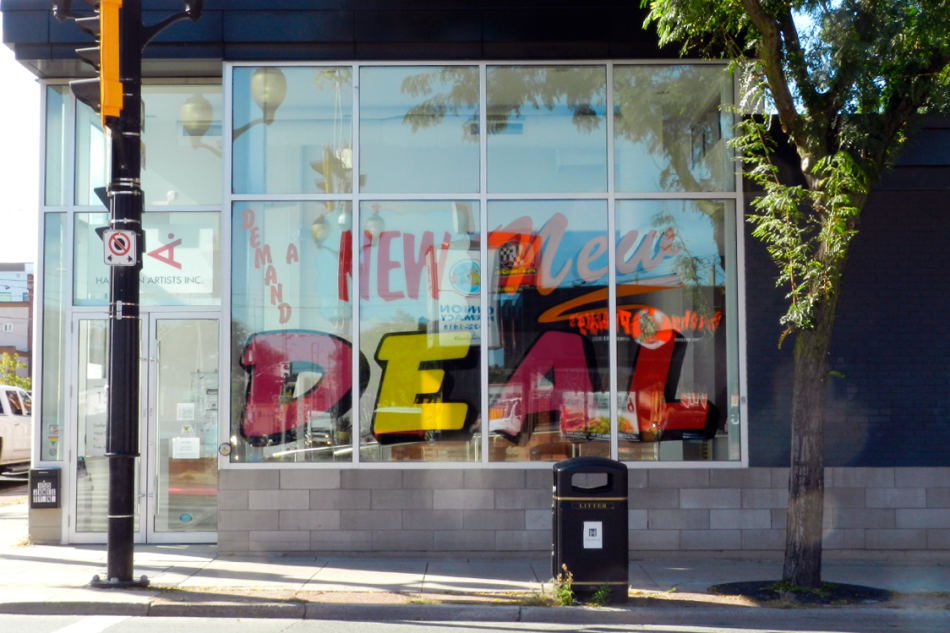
x=894 y=576
x=367 y=575
x=13 y=524
x=684 y=575
x=276 y=573
x=640 y=580
x=480 y=576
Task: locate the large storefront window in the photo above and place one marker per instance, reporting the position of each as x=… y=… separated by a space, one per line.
x=57 y=99
x=292 y=130
x=181 y=137
x=547 y=130
x=181 y=148
x=419 y=129
x=291 y=331
x=549 y=370
x=420 y=331
x=671 y=128
x=674 y=377
x=457 y=301
x=182 y=260
x=92 y=157
x=55 y=289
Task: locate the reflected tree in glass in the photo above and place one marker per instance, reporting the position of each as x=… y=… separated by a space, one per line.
x=669 y=130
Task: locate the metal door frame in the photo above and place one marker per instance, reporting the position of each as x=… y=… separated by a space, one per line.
x=72 y=456
x=151 y=428
x=147 y=467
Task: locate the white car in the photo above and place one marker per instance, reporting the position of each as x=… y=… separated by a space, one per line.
x=16 y=424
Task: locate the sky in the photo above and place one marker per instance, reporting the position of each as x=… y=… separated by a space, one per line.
x=19 y=159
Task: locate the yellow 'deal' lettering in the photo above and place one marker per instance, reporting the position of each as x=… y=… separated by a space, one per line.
x=397 y=410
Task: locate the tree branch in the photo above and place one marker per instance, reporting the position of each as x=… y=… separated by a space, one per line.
x=839 y=92
x=770 y=53
x=911 y=99
x=798 y=66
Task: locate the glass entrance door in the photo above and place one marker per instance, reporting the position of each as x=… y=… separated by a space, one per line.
x=183 y=430
x=177 y=474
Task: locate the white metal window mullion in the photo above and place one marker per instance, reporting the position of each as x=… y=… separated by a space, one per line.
x=39 y=278
x=483 y=253
x=739 y=289
x=612 y=272
x=71 y=351
x=225 y=362
x=356 y=243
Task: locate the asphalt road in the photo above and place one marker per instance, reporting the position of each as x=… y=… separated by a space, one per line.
x=764 y=621
x=12 y=488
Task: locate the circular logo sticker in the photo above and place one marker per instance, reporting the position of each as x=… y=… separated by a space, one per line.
x=466 y=277
x=651 y=328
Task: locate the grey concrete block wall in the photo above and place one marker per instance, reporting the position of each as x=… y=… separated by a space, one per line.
x=508 y=511
x=45 y=526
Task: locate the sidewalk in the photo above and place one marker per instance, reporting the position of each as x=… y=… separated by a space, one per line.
x=193 y=580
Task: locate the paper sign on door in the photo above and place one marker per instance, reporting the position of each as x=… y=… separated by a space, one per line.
x=593 y=535
x=186 y=448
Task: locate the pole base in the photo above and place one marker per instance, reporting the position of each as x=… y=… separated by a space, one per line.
x=115 y=583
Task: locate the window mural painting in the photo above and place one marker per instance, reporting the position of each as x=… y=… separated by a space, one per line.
x=291 y=357
x=364 y=326
x=420 y=322
x=673 y=379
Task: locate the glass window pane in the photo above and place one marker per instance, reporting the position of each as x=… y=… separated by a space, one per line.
x=677 y=379
x=291 y=332
x=181 y=141
x=419 y=129
x=55 y=287
x=57 y=98
x=182 y=260
x=292 y=130
x=547 y=129
x=548 y=357
x=92 y=465
x=671 y=128
x=185 y=373
x=420 y=331
x=92 y=156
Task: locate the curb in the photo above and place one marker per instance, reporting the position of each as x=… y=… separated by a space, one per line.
x=413 y=612
x=363 y=612
x=728 y=617
x=75 y=608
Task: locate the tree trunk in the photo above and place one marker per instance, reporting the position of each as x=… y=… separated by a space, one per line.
x=806 y=485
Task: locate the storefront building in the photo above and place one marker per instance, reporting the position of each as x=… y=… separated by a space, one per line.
x=391 y=275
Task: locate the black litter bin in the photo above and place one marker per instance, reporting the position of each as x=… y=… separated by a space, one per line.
x=590 y=523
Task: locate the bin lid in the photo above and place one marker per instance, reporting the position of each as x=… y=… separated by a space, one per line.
x=616 y=472
x=590 y=465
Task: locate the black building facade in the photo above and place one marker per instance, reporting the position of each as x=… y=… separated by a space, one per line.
x=483 y=260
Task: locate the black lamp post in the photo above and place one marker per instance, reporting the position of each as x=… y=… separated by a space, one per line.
x=123 y=123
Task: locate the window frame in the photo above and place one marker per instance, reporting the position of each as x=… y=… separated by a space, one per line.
x=356 y=197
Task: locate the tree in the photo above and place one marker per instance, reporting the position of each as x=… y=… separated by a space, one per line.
x=8 y=367
x=847 y=80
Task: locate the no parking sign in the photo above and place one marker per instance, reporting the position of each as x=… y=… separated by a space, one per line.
x=119 y=248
